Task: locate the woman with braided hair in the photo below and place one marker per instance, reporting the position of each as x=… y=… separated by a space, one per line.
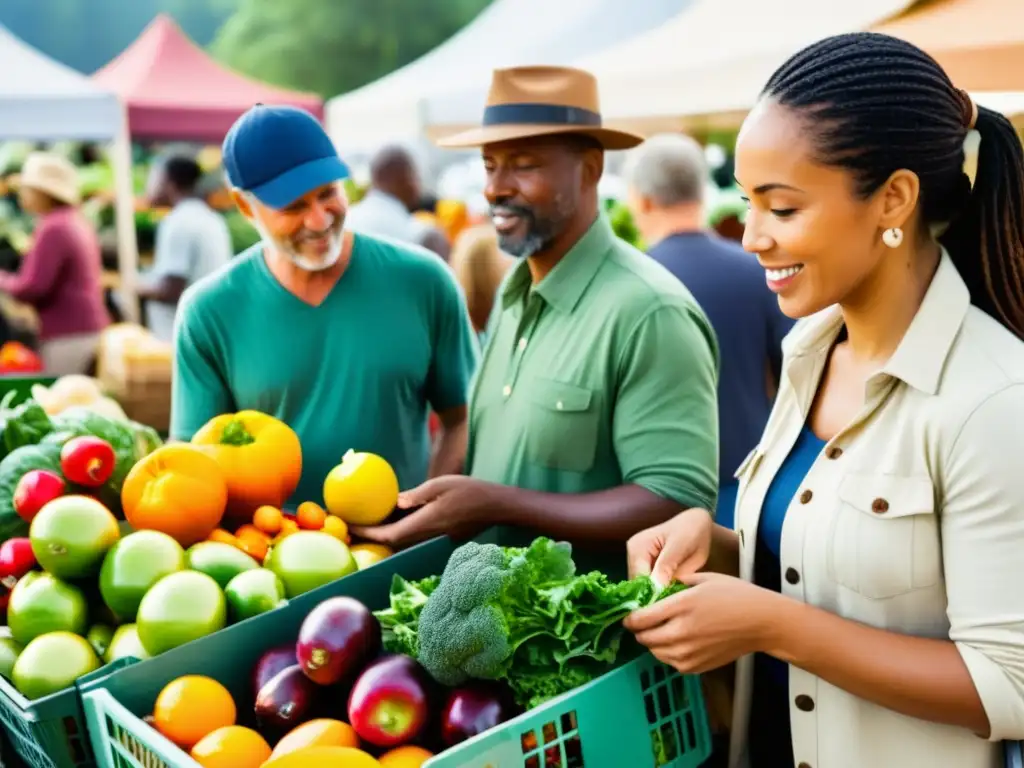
x=871 y=591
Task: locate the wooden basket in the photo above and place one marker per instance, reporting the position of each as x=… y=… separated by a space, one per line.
x=134 y=367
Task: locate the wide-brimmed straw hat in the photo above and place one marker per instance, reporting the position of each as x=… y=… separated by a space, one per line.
x=52 y=174
x=539 y=101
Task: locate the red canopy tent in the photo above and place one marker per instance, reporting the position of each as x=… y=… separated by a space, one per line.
x=174 y=91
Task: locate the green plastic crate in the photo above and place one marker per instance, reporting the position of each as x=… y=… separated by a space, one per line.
x=22 y=384
x=625 y=718
x=48 y=732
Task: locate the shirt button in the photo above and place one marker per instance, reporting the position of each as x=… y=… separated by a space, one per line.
x=835 y=452
x=804 y=765
x=522 y=344
x=792 y=576
x=559 y=405
x=879 y=506
x=804 y=703
x=506 y=390
x=806 y=496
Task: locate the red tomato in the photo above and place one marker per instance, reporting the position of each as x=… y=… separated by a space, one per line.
x=16 y=559
x=34 y=490
x=87 y=461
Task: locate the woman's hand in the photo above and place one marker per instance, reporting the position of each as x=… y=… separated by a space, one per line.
x=715 y=621
x=673 y=550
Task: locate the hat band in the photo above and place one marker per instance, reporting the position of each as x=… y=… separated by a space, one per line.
x=540 y=114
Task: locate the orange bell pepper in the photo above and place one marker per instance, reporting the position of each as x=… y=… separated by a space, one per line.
x=260 y=456
x=176 y=489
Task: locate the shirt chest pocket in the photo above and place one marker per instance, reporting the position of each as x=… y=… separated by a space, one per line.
x=884 y=535
x=562 y=422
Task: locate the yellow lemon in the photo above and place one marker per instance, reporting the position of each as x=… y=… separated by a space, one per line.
x=362 y=490
x=369 y=554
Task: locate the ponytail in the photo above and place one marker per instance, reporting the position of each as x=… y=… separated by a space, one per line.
x=986 y=241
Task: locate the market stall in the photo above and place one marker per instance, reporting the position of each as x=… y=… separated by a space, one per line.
x=175 y=92
x=47 y=101
x=448 y=85
x=704 y=69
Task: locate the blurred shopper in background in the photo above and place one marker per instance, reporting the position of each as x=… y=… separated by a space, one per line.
x=480 y=266
x=192 y=241
x=668 y=178
x=395 y=193
x=61 y=275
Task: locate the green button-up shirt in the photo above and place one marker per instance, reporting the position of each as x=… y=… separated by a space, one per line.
x=603 y=374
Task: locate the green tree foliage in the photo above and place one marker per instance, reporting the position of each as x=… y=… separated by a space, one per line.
x=332 y=46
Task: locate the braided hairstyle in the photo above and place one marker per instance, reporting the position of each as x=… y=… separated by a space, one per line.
x=877 y=104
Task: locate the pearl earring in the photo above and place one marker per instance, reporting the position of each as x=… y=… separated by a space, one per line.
x=892 y=237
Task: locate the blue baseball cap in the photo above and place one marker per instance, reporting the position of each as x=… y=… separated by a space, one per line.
x=280 y=154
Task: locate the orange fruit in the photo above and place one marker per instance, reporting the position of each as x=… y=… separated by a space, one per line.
x=231 y=747
x=317 y=733
x=405 y=757
x=336 y=527
x=178 y=490
x=268 y=519
x=223 y=536
x=288 y=527
x=323 y=757
x=362 y=490
x=310 y=516
x=253 y=542
x=191 y=707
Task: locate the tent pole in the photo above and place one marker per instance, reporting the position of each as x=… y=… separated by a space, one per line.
x=124 y=214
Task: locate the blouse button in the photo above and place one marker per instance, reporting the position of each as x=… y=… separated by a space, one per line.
x=806 y=496
x=804 y=703
x=835 y=452
x=879 y=506
x=792 y=576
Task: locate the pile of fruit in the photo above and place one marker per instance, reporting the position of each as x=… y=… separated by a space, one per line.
x=331 y=698
x=204 y=543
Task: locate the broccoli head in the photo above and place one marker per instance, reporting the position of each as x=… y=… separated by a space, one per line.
x=464 y=628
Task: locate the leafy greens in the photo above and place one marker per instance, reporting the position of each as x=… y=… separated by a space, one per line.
x=521 y=615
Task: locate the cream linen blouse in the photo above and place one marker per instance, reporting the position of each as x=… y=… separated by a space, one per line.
x=910 y=520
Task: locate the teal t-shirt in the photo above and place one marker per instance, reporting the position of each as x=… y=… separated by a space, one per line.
x=360 y=371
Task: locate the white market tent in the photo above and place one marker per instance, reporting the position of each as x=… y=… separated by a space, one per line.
x=43 y=100
x=448 y=85
x=705 y=68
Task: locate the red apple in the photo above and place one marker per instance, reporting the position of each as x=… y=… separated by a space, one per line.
x=389 y=703
x=34 y=490
x=16 y=559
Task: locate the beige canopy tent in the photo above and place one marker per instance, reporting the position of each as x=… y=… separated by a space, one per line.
x=980 y=43
x=704 y=69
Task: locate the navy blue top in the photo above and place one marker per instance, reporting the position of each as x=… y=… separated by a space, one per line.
x=729 y=285
x=770 y=736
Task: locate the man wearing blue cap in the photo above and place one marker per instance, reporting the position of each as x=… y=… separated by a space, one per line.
x=349 y=339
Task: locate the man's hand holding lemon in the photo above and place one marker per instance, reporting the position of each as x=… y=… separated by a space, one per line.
x=455 y=505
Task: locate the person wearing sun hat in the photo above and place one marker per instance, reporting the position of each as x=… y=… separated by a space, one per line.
x=61 y=275
x=349 y=339
x=594 y=414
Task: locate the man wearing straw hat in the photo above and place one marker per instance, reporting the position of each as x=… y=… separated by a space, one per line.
x=593 y=415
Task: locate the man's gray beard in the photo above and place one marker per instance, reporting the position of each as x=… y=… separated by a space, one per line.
x=523 y=249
